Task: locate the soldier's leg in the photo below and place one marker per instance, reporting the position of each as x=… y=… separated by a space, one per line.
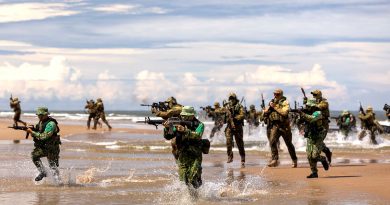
x=372 y=135
x=311 y=159
x=325 y=149
x=53 y=157
x=90 y=117
x=195 y=172
x=36 y=156
x=213 y=131
x=229 y=144
x=362 y=134
x=287 y=137
x=174 y=149
x=239 y=137
x=182 y=171
x=95 y=121
x=103 y=116
x=273 y=142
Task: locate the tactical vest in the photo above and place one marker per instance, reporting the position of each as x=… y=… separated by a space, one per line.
x=186 y=144
x=100 y=107
x=54 y=139
x=274 y=116
x=234 y=111
x=314 y=129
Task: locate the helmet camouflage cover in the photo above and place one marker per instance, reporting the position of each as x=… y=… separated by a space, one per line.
x=316 y=93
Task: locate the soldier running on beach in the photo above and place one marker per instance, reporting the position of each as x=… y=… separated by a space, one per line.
x=323 y=106
x=368 y=124
x=46 y=142
x=174 y=110
x=278 y=124
x=345 y=121
x=314 y=131
x=14 y=103
x=253 y=118
x=219 y=117
x=100 y=114
x=91 y=110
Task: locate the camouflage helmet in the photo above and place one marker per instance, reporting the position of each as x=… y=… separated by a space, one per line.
x=278 y=91
x=42 y=111
x=171 y=100
x=99 y=100
x=369 y=108
x=345 y=112
x=316 y=93
x=16 y=99
x=216 y=104
x=311 y=102
x=232 y=95
x=91 y=101
x=187 y=111
x=252 y=107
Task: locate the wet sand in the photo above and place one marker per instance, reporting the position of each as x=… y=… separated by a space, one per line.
x=134 y=166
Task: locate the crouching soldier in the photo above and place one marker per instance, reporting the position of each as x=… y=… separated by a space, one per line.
x=189 y=146
x=46 y=142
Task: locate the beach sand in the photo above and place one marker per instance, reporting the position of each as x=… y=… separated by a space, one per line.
x=366 y=182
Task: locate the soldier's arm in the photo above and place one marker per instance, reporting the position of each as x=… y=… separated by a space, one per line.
x=323 y=105
x=49 y=131
x=175 y=111
x=365 y=117
x=167 y=135
x=284 y=109
x=241 y=114
x=197 y=134
x=313 y=117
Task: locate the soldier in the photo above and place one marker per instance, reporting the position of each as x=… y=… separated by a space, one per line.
x=189 y=147
x=235 y=122
x=15 y=104
x=346 y=121
x=368 y=124
x=323 y=105
x=174 y=110
x=218 y=116
x=253 y=118
x=314 y=132
x=278 y=124
x=46 y=142
x=91 y=110
x=100 y=114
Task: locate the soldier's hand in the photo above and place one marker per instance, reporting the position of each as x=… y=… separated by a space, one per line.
x=165 y=124
x=29 y=130
x=181 y=128
x=271 y=104
x=153 y=110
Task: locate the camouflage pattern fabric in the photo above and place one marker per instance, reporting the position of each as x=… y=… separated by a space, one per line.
x=237 y=114
x=368 y=123
x=100 y=114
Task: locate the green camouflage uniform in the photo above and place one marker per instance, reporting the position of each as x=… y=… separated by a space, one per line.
x=278 y=125
x=47 y=144
x=345 y=121
x=189 y=151
x=314 y=132
x=253 y=118
x=173 y=111
x=235 y=123
x=100 y=114
x=15 y=105
x=323 y=105
x=368 y=123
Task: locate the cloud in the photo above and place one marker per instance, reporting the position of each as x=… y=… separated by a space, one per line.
x=32 y=11
x=187 y=88
x=129 y=9
x=57 y=80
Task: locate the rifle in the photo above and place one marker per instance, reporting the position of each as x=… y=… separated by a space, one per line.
x=299 y=110
x=161 y=106
x=361 y=108
x=303 y=92
x=172 y=122
x=11 y=98
x=207 y=108
x=15 y=127
x=262 y=102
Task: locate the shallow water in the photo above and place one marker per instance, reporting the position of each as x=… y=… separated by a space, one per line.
x=121 y=168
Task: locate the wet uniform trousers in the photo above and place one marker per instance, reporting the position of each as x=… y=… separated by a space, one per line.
x=274 y=131
x=238 y=134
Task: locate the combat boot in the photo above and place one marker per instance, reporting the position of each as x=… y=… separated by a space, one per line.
x=273 y=163
x=230 y=159
x=294 y=164
x=40 y=176
x=243 y=164
x=325 y=164
x=312 y=175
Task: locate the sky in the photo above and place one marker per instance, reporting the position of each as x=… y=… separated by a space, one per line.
x=60 y=53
